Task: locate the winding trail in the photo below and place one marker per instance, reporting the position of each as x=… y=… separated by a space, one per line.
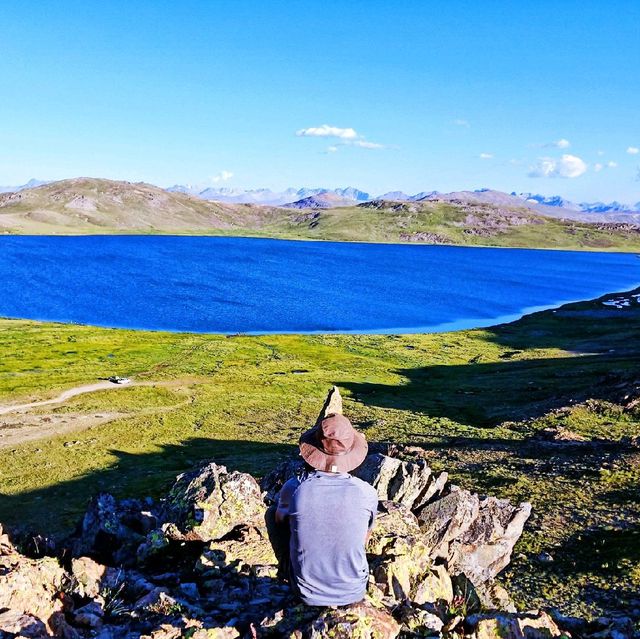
x=23 y=426
x=72 y=392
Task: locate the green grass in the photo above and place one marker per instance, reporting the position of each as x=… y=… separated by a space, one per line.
x=475 y=400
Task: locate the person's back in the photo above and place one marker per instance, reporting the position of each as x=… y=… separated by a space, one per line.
x=330 y=515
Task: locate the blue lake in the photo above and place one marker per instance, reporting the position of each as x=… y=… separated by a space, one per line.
x=230 y=285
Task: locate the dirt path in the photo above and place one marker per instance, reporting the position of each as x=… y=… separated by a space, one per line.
x=20 y=426
x=72 y=392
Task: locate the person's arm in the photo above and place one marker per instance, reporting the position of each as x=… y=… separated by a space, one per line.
x=284 y=500
x=372 y=520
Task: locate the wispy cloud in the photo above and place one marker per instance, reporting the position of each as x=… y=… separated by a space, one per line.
x=562 y=143
x=460 y=122
x=326 y=131
x=223 y=176
x=633 y=150
x=568 y=166
x=598 y=166
x=363 y=144
x=486 y=156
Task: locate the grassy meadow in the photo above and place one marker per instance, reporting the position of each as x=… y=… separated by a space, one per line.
x=479 y=401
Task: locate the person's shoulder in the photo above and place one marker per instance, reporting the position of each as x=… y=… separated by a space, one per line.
x=367 y=489
x=290 y=485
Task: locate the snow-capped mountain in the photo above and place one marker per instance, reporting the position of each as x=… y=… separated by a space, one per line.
x=32 y=183
x=267 y=196
x=586 y=207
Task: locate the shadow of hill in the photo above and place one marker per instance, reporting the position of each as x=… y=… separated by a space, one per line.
x=55 y=509
x=602 y=356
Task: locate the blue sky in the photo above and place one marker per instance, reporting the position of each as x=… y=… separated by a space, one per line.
x=413 y=95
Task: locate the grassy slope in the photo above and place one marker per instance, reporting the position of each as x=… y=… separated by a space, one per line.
x=86 y=205
x=448 y=222
x=474 y=399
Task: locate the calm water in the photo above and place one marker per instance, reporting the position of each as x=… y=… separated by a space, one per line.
x=234 y=285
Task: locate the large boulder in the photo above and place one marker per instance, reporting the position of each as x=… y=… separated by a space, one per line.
x=210 y=502
x=111 y=530
x=483 y=547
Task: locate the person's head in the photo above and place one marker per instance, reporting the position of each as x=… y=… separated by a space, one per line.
x=334 y=445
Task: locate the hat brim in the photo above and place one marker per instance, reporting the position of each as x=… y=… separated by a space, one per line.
x=320 y=460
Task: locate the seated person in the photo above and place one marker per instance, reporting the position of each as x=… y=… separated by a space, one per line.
x=330 y=515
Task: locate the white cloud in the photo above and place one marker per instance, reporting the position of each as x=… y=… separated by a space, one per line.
x=611 y=164
x=568 y=166
x=597 y=167
x=633 y=150
x=326 y=131
x=346 y=137
x=486 y=156
x=464 y=123
x=223 y=176
x=600 y=153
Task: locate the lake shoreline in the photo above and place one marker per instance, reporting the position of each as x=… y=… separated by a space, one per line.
x=226 y=286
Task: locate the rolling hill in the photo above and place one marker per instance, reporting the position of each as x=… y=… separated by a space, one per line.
x=98 y=206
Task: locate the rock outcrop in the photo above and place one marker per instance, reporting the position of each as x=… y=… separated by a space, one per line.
x=199 y=564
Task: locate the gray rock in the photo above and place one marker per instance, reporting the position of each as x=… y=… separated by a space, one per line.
x=14 y=622
x=208 y=503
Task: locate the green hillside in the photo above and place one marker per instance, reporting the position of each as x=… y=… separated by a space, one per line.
x=94 y=206
x=545 y=409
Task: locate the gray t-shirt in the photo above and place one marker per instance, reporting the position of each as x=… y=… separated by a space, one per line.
x=329 y=516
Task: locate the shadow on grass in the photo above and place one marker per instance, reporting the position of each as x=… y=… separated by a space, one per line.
x=603 y=354
x=56 y=509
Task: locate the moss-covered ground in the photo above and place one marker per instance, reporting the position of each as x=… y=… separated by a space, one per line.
x=484 y=403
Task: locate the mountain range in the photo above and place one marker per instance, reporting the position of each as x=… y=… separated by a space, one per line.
x=326 y=198
x=82 y=206
x=318 y=198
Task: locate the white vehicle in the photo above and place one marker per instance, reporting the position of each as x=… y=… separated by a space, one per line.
x=119 y=380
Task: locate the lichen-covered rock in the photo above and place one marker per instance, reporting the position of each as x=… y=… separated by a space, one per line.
x=407 y=483
x=31 y=586
x=111 y=531
x=537 y=625
x=362 y=620
x=91 y=577
x=208 y=503
x=475 y=536
x=250 y=548
x=485 y=548
x=448 y=518
x=392 y=520
x=398 y=568
x=434 y=586
x=418 y=622
x=16 y=623
x=492 y=596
